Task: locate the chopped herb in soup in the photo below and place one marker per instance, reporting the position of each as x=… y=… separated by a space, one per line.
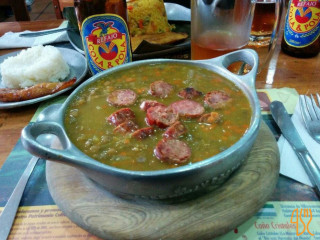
x=157 y=116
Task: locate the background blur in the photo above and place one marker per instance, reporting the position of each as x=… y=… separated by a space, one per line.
x=45 y=9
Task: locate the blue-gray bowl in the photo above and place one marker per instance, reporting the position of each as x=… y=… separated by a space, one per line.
x=180 y=182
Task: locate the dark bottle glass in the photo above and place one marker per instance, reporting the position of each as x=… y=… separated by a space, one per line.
x=301 y=36
x=86 y=8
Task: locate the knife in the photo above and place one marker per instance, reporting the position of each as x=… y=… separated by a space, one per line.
x=9 y=212
x=289 y=131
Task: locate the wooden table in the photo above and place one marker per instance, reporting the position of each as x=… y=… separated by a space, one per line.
x=283 y=71
x=301 y=74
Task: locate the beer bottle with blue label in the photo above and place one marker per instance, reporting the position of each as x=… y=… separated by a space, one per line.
x=301 y=36
x=104 y=32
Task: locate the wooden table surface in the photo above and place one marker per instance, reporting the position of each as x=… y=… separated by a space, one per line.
x=284 y=71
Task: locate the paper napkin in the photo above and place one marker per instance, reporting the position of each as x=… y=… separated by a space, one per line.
x=290 y=165
x=12 y=40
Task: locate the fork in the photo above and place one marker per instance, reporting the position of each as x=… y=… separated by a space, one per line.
x=310 y=111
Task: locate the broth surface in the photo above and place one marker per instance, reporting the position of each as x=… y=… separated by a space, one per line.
x=87 y=128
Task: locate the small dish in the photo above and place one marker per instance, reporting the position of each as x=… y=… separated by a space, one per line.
x=78 y=68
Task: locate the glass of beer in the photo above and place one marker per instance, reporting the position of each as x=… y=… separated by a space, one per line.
x=219 y=26
x=265 y=29
x=264 y=19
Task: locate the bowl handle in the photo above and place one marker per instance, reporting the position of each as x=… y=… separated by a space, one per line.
x=246 y=55
x=33 y=130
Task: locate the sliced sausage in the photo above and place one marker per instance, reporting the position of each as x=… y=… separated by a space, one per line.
x=175 y=130
x=189 y=93
x=126 y=127
x=217 y=99
x=172 y=151
x=160 y=89
x=161 y=116
x=145 y=105
x=187 y=108
x=210 y=118
x=120 y=116
x=122 y=98
x=143 y=133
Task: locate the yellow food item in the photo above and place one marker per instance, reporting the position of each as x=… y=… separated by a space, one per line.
x=147 y=17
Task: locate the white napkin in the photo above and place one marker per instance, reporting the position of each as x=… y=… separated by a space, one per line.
x=12 y=40
x=290 y=165
x=176 y=12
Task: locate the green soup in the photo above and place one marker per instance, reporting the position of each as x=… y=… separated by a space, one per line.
x=88 y=129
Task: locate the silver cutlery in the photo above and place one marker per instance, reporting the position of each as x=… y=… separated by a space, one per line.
x=46 y=32
x=9 y=212
x=289 y=131
x=310 y=112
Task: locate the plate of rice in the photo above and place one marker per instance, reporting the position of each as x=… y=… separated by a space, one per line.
x=35 y=70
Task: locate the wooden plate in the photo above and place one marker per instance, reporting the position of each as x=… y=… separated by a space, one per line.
x=107 y=216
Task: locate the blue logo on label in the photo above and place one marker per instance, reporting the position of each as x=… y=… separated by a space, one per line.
x=106 y=42
x=302 y=23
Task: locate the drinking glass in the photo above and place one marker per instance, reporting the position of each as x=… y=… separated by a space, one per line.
x=222 y=26
x=263 y=22
x=219 y=26
x=265 y=29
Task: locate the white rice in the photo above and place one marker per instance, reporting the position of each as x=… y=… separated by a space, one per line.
x=32 y=66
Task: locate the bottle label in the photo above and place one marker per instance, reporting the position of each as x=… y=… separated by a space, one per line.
x=106 y=41
x=302 y=25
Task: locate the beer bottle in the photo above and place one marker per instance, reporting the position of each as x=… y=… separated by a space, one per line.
x=104 y=32
x=301 y=36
